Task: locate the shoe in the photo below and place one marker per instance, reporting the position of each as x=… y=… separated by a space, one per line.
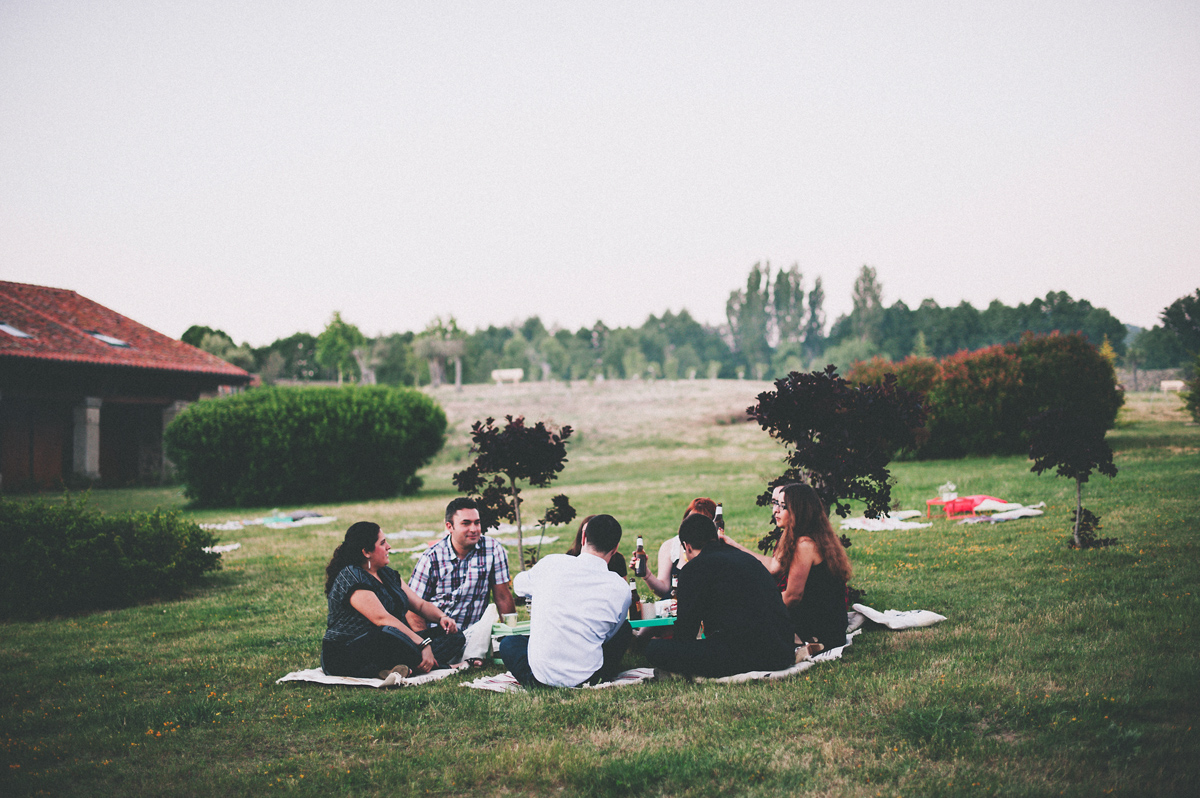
x=668 y=676
x=401 y=670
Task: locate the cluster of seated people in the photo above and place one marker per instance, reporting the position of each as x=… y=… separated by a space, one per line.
x=756 y=612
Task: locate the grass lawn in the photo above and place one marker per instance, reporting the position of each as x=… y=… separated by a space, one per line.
x=1057 y=672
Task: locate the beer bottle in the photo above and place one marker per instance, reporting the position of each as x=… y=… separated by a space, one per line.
x=635 y=606
x=674 y=606
x=640 y=559
x=719 y=519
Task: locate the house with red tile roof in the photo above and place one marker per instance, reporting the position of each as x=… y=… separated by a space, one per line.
x=85 y=393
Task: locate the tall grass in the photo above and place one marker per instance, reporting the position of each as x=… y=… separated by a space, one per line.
x=1057 y=671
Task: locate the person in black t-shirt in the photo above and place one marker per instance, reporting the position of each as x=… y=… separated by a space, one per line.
x=746 y=626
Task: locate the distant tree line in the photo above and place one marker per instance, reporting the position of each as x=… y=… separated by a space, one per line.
x=774 y=325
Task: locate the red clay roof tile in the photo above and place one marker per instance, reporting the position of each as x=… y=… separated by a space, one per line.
x=62 y=325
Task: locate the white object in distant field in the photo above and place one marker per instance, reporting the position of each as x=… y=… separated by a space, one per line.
x=501 y=376
x=1171 y=385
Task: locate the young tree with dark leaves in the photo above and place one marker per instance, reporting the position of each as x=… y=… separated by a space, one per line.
x=1073 y=445
x=841 y=436
x=506 y=455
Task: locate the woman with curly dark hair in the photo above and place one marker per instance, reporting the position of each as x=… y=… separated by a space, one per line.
x=366 y=635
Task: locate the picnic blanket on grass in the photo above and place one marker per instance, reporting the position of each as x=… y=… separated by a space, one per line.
x=506 y=682
x=1008 y=512
x=393 y=680
x=896 y=520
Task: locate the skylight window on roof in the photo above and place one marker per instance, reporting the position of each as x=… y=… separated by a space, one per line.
x=13 y=331
x=108 y=339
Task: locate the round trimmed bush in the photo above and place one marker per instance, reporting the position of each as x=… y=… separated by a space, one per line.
x=289 y=445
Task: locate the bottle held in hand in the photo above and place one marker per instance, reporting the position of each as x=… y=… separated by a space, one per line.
x=640 y=559
x=719 y=519
x=635 y=606
x=674 y=605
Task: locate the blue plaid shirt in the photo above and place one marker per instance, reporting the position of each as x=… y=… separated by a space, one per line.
x=459 y=587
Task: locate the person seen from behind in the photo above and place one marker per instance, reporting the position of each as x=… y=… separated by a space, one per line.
x=746 y=626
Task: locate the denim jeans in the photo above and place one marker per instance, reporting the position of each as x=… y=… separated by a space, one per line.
x=514 y=652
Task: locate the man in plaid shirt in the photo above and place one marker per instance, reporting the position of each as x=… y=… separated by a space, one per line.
x=456 y=572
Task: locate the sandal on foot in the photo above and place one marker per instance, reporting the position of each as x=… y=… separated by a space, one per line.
x=401 y=670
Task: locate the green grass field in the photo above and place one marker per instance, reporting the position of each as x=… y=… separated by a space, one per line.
x=1057 y=672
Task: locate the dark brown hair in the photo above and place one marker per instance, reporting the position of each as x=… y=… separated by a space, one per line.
x=360 y=535
x=577 y=546
x=809 y=520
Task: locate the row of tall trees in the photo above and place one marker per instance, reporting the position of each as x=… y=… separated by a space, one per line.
x=775 y=325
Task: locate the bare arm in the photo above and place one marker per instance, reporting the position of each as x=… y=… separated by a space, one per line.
x=428 y=611
x=770 y=563
x=802 y=563
x=504 y=598
x=369 y=606
x=661 y=583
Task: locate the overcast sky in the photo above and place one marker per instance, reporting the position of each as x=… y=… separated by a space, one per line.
x=255 y=166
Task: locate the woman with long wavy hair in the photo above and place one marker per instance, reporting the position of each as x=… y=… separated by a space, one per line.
x=366 y=635
x=811 y=563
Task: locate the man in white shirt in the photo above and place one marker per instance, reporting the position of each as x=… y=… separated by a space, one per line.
x=579 y=626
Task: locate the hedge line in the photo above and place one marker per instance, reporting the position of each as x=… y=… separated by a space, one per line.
x=283 y=445
x=66 y=558
x=980 y=402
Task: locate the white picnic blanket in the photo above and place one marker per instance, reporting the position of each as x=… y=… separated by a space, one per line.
x=272 y=522
x=1006 y=511
x=506 y=682
x=900 y=619
x=896 y=520
x=393 y=680
x=532 y=540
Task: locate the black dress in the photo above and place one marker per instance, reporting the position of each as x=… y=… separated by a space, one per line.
x=821 y=613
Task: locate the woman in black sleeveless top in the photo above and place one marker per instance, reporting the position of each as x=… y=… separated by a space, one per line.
x=810 y=565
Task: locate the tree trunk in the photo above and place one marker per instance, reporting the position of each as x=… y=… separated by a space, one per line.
x=458 y=374
x=1078 y=511
x=520 y=541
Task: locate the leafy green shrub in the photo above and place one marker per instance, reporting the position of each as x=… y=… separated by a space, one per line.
x=1067 y=372
x=66 y=558
x=280 y=445
x=976 y=404
x=981 y=402
x=918 y=374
